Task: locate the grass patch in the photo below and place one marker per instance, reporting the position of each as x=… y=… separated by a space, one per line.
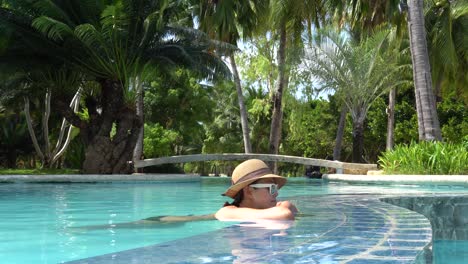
x=430 y=158
x=37 y=171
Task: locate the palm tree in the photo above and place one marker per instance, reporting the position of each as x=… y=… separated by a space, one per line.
x=363 y=17
x=428 y=120
x=359 y=72
x=111 y=42
x=288 y=18
x=228 y=21
x=447 y=24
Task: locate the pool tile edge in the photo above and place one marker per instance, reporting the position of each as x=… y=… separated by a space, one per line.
x=400 y=179
x=94 y=178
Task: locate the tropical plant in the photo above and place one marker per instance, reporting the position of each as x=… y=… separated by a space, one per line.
x=160 y=142
x=359 y=72
x=39 y=86
x=230 y=21
x=14 y=139
x=178 y=101
x=311 y=127
x=223 y=133
x=447 y=24
x=426 y=158
x=113 y=43
x=453 y=113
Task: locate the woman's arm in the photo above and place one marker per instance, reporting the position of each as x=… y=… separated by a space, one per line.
x=282 y=211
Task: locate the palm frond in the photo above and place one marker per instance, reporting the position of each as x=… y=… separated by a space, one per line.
x=114 y=21
x=89 y=36
x=50 y=9
x=52 y=28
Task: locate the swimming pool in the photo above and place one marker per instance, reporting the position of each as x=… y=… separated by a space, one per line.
x=49 y=223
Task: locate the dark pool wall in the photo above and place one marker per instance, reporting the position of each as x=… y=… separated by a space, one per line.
x=448 y=214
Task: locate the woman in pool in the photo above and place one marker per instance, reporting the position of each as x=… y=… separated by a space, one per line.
x=254 y=190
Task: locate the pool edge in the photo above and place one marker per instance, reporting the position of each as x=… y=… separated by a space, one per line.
x=459 y=180
x=95 y=178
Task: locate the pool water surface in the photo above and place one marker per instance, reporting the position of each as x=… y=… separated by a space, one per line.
x=51 y=223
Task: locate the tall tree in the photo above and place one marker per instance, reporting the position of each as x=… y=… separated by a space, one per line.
x=428 y=120
x=363 y=17
x=289 y=19
x=229 y=21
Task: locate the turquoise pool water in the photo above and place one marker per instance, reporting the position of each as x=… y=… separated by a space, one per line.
x=47 y=223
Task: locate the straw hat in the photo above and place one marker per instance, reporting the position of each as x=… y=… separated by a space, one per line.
x=249 y=171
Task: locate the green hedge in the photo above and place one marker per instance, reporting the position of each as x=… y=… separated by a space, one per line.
x=426 y=158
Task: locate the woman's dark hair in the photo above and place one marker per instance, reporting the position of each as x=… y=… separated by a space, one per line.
x=237 y=199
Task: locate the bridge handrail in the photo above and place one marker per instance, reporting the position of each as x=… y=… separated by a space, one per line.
x=265 y=157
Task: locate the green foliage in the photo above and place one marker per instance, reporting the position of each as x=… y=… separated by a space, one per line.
x=259 y=108
x=159 y=142
x=426 y=158
x=178 y=102
x=446 y=23
x=14 y=138
x=75 y=154
x=406 y=123
x=453 y=119
x=144 y=44
x=311 y=130
x=375 y=130
x=224 y=133
x=37 y=171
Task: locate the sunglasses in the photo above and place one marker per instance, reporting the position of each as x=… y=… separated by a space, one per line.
x=272 y=186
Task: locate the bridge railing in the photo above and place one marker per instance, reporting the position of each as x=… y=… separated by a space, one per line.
x=338 y=165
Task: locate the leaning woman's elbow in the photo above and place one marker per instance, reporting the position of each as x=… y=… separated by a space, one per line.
x=288 y=215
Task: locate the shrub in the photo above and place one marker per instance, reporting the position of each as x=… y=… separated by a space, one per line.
x=426 y=158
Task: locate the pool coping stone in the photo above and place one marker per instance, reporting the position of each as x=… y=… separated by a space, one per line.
x=92 y=178
x=400 y=179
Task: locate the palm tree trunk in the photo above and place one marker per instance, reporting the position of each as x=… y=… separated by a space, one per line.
x=340 y=133
x=138 y=150
x=358 y=140
x=277 y=115
x=243 y=110
x=428 y=121
x=391 y=119
x=105 y=154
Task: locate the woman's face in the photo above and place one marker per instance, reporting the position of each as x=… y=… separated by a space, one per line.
x=262 y=197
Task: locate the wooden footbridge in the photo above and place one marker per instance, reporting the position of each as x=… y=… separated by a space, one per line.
x=341 y=167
